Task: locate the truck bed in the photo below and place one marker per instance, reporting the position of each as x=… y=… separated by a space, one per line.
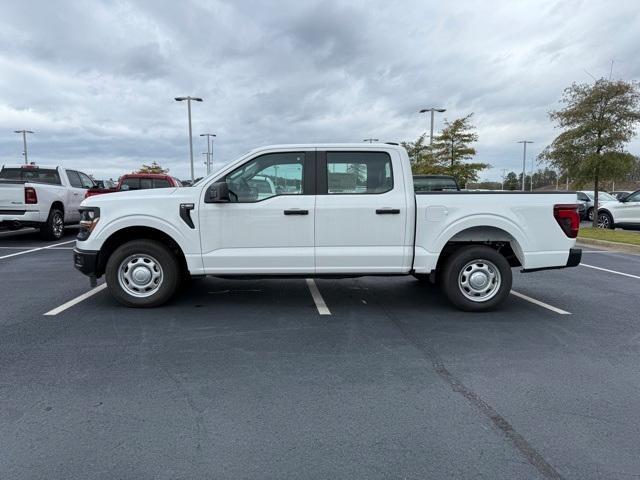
x=524 y=220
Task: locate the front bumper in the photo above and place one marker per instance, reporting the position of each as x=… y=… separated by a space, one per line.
x=575 y=256
x=86 y=261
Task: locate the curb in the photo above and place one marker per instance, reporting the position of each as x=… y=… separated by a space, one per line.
x=607 y=245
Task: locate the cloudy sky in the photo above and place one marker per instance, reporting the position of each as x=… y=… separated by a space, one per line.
x=96 y=80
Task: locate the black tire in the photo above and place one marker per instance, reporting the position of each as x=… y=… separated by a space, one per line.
x=590 y=214
x=452 y=277
x=167 y=265
x=605 y=221
x=53 y=228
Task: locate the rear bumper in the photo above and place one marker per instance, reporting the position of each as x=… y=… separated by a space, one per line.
x=17 y=218
x=575 y=256
x=86 y=261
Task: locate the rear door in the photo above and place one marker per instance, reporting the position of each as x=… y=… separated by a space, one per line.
x=361 y=212
x=261 y=230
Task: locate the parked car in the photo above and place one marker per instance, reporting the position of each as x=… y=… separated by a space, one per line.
x=139 y=181
x=619 y=194
x=624 y=213
x=587 y=196
x=41 y=196
x=434 y=183
x=146 y=242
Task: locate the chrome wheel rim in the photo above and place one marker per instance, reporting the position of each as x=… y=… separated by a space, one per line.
x=140 y=275
x=479 y=280
x=590 y=214
x=603 y=221
x=57 y=225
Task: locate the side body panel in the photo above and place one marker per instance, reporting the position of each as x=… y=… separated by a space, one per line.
x=524 y=220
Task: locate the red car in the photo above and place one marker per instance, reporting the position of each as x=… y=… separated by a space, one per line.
x=138 y=181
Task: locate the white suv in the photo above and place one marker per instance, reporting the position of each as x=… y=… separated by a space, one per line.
x=625 y=213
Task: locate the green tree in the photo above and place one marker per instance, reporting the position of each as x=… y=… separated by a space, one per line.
x=450 y=153
x=153 y=168
x=597 y=121
x=453 y=148
x=511 y=181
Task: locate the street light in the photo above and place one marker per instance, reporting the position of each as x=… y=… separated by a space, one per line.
x=188 y=99
x=432 y=110
x=524 y=159
x=370 y=140
x=209 y=150
x=24 y=142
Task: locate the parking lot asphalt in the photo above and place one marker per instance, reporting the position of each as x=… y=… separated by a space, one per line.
x=245 y=379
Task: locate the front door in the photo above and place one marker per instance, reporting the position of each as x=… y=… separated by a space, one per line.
x=267 y=227
x=75 y=196
x=361 y=213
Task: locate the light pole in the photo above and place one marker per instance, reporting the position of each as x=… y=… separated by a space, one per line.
x=188 y=99
x=370 y=140
x=524 y=160
x=432 y=110
x=24 y=143
x=209 y=150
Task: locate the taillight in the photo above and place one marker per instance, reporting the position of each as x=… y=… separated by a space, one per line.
x=567 y=217
x=30 y=195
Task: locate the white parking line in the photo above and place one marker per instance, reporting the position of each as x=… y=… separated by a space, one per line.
x=610 y=271
x=36 y=249
x=76 y=300
x=539 y=303
x=317 y=297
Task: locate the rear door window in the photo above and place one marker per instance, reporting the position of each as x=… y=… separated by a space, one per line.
x=359 y=172
x=74 y=179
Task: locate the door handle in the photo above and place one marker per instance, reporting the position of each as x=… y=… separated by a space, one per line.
x=296 y=212
x=388 y=211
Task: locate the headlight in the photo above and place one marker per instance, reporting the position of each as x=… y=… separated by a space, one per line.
x=89 y=217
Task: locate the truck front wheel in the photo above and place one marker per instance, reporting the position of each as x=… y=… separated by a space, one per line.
x=476 y=278
x=142 y=273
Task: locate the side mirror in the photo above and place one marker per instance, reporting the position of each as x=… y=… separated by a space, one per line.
x=218 y=193
x=623 y=197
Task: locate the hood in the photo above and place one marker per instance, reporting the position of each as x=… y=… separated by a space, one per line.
x=129 y=196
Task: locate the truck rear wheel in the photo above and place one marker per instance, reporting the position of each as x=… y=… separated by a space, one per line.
x=53 y=228
x=142 y=273
x=476 y=278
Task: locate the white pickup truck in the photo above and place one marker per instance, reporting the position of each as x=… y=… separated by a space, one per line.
x=40 y=196
x=338 y=210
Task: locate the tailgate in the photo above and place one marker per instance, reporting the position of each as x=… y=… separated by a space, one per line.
x=12 y=194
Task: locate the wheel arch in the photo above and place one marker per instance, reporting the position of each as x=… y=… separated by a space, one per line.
x=491 y=230
x=126 y=234
x=57 y=204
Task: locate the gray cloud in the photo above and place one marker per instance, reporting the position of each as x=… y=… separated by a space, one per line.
x=96 y=80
